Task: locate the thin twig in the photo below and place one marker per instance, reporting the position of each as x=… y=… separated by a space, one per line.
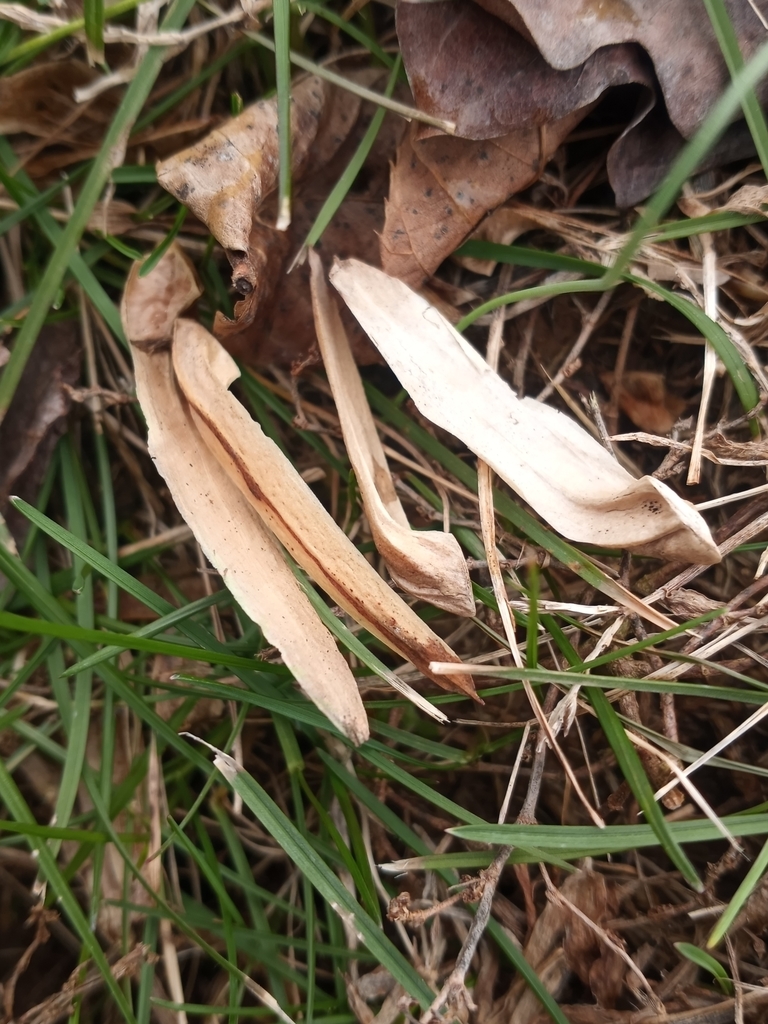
x=709 y=270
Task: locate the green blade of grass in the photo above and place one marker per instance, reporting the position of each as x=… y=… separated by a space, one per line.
x=398 y=774
x=708 y=963
x=72 y=835
x=367 y=894
x=50 y=283
x=110 y=571
x=743 y=381
x=709 y=223
x=729 y=45
x=322 y=878
x=588 y=840
x=751 y=881
x=77 y=722
x=231 y=968
x=409 y=113
x=120 y=641
x=21 y=188
x=345 y=182
x=93 y=16
x=161 y=625
x=634 y=773
x=18 y=807
x=567 y=678
x=159 y=251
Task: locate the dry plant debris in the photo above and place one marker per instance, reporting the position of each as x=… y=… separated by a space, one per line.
x=233 y=537
x=563 y=473
x=617 y=425
x=428 y=565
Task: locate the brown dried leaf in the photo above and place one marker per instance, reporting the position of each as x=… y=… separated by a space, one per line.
x=427 y=564
x=675 y=33
x=230 y=533
x=442 y=187
x=686 y=58
x=644 y=397
x=273 y=324
x=39 y=99
x=151 y=303
x=469 y=67
x=544 y=58
x=273 y=487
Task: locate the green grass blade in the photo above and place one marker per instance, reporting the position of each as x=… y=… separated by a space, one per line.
x=77 y=723
x=633 y=771
x=708 y=963
x=130 y=641
x=711 y=222
x=157 y=254
x=539 y=291
x=17 y=806
x=93 y=16
x=399 y=775
x=50 y=283
x=160 y=625
x=589 y=840
x=743 y=381
x=53 y=231
x=345 y=182
x=322 y=878
x=750 y=883
x=686 y=163
x=569 y=677
x=729 y=45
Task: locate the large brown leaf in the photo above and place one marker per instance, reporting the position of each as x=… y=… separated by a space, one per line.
x=273 y=323
x=506 y=65
x=489 y=80
x=675 y=33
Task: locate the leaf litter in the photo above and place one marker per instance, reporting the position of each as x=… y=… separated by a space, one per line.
x=547 y=150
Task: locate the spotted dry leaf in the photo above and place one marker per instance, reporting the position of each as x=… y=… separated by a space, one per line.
x=442 y=187
x=542 y=59
x=225 y=178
